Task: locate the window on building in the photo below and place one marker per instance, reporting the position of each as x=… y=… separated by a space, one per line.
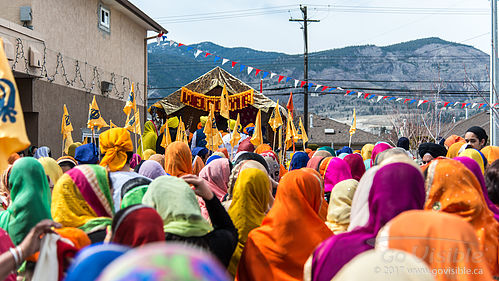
x=104 y=18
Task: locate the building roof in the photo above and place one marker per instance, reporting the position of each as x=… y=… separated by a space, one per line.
x=130 y=8
x=341 y=135
x=481 y=119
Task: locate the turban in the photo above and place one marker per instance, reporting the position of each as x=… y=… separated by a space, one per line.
x=479 y=132
x=115 y=143
x=433 y=149
x=173 y=122
x=403 y=142
x=452 y=140
x=87 y=154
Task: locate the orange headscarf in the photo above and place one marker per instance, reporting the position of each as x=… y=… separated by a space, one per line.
x=197 y=165
x=262 y=148
x=323 y=166
x=292 y=229
x=454 y=149
x=324 y=204
x=491 y=153
x=12 y=158
x=442 y=240
x=282 y=171
x=224 y=151
x=452 y=140
x=178 y=159
x=115 y=143
x=77 y=236
x=452 y=188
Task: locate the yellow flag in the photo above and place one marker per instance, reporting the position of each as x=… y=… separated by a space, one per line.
x=257 y=137
x=167 y=139
x=291 y=135
x=13 y=136
x=224 y=103
x=94 y=117
x=112 y=125
x=130 y=102
x=67 y=142
x=85 y=141
x=181 y=132
x=236 y=136
x=353 y=128
x=303 y=134
x=213 y=136
x=133 y=123
x=275 y=120
x=66 y=126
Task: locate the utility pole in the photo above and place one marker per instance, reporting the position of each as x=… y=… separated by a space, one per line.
x=494 y=137
x=305 y=21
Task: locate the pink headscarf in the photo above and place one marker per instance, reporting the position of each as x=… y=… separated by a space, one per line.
x=336 y=171
x=216 y=174
x=378 y=148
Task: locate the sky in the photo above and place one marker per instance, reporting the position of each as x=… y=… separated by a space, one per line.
x=264 y=25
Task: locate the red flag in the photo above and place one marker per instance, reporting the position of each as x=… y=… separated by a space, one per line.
x=324 y=88
x=446 y=103
x=180 y=44
x=257 y=71
x=385 y=97
x=481 y=105
x=463 y=105
x=302 y=83
x=290 y=105
x=233 y=64
x=406 y=100
x=206 y=55
x=280 y=79
x=366 y=95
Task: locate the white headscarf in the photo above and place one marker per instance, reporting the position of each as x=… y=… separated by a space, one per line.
x=359 y=214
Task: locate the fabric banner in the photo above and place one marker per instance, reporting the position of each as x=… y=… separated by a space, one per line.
x=200 y=101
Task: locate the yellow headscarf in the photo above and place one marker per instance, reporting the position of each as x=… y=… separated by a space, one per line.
x=52 y=169
x=340 y=204
x=72 y=148
x=367 y=151
x=454 y=149
x=148 y=153
x=173 y=122
x=115 y=143
x=475 y=155
x=149 y=138
x=249 y=203
x=203 y=120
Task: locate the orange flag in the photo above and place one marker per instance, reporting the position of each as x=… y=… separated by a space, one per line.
x=257 y=137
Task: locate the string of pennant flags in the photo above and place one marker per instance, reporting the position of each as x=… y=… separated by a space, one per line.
x=162 y=40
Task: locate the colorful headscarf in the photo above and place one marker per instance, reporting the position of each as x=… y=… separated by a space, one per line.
x=246 y=145
x=322 y=153
x=473 y=166
x=5 y=245
x=72 y=148
x=476 y=155
x=135 y=161
x=337 y=170
x=82 y=198
x=378 y=148
x=224 y=151
x=299 y=160
x=345 y=149
x=52 y=169
x=151 y=169
x=314 y=162
x=30 y=199
x=273 y=164
x=67 y=160
x=216 y=174
x=452 y=140
x=42 y=151
x=323 y=166
x=289 y=232
x=366 y=151
x=12 y=158
x=91 y=261
x=178 y=159
x=491 y=153
x=442 y=240
x=356 y=164
x=87 y=154
x=383 y=206
x=328 y=149
x=249 y=204
x=197 y=165
x=115 y=143
x=359 y=213
x=149 y=138
x=137 y=225
x=453 y=150
x=158 y=158
x=177 y=205
x=148 y=153
x=340 y=204
x=453 y=188
x=161 y=262
x=262 y=147
x=133 y=191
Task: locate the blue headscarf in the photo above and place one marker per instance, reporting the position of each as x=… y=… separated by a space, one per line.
x=299 y=160
x=344 y=149
x=92 y=260
x=342 y=155
x=211 y=158
x=87 y=154
x=328 y=149
x=199 y=151
x=42 y=152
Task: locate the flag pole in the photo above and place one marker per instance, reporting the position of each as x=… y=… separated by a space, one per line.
x=350 y=141
x=62 y=151
x=93 y=141
x=273 y=143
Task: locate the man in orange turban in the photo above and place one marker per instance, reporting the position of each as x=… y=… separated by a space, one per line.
x=114 y=144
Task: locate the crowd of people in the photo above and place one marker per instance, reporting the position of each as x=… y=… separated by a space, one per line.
x=183 y=212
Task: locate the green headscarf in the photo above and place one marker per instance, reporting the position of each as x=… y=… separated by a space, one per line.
x=328 y=149
x=149 y=138
x=177 y=205
x=134 y=196
x=30 y=194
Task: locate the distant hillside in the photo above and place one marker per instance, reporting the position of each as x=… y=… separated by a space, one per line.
x=387 y=67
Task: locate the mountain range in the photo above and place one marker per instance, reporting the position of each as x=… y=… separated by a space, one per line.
x=416 y=69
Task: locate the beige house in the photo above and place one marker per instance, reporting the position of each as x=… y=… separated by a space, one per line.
x=66 y=52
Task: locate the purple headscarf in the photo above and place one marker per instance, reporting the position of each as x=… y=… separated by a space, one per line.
x=151 y=169
x=378 y=148
x=356 y=164
x=396 y=188
x=337 y=170
x=473 y=166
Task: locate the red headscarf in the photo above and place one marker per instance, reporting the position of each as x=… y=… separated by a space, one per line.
x=356 y=164
x=246 y=145
x=137 y=225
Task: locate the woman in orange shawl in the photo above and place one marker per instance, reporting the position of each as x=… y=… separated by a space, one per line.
x=443 y=241
x=452 y=188
x=292 y=229
x=178 y=159
x=324 y=204
x=491 y=153
x=262 y=148
x=323 y=166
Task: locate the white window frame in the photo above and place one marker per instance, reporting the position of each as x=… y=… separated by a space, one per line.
x=104 y=25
